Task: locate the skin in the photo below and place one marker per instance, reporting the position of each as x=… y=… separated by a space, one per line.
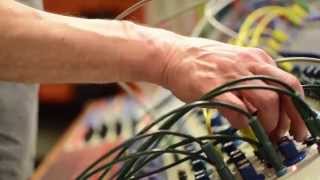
x=58 y=49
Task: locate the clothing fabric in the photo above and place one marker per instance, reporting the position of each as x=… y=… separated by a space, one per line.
x=18 y=125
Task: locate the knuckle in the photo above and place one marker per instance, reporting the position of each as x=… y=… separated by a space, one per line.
x=259 y=55
x=259 y=52
x=293 y=81
x=269 y=99
x=247 y=56
x=274 y=97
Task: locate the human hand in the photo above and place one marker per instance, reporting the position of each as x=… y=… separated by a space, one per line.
x=195 y=66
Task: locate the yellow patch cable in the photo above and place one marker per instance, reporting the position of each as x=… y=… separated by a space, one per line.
x=207 y=114
x=293 y=13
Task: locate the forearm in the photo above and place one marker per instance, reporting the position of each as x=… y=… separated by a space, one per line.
x=42 y=47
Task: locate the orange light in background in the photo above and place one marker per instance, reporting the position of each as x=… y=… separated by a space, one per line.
x=56 y=93
x=78 y=7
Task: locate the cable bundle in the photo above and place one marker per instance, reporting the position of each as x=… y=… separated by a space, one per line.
x=148 y=150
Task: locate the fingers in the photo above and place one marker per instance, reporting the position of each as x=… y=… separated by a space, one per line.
x=267 y=104
x=236 y=119
x=284 y=122
x=275 y=72
x=298 y=128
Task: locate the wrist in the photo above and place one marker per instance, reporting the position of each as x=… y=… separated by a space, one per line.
x=156 y=45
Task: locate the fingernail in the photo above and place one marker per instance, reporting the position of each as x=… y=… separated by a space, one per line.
x=282 y=133
x=306 y=136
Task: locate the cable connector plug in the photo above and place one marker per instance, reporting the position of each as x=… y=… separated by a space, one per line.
x=215 y=158
x=267 y=148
